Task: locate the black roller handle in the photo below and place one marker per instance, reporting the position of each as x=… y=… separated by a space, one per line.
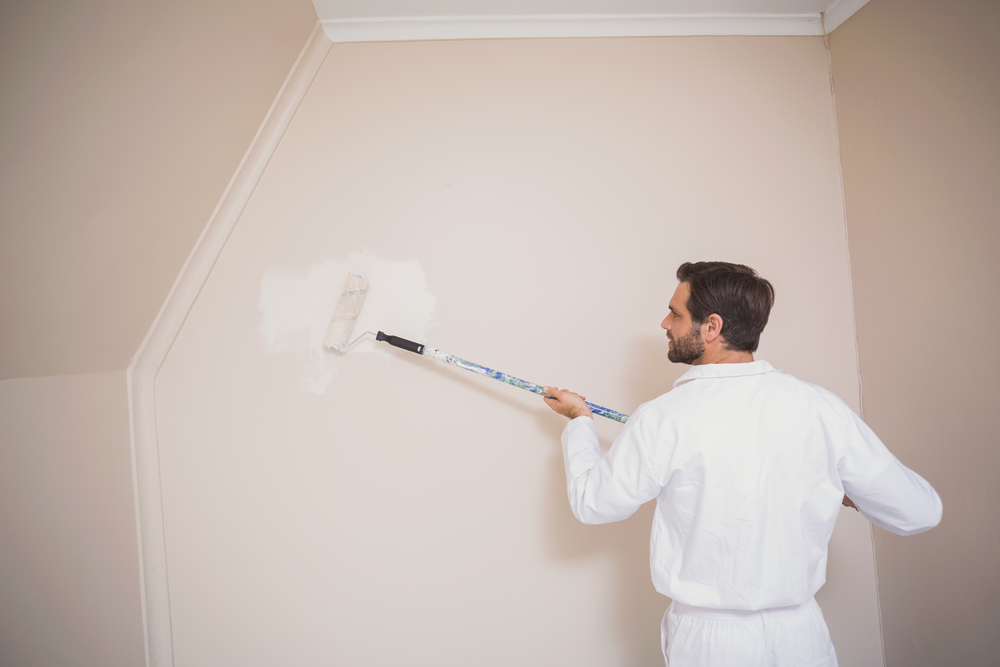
x=402 y=343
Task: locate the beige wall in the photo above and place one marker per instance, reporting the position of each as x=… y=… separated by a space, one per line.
x=306 y=526
x=548 y=189
x=69 y=566
x=121 y=124
x=917 y=107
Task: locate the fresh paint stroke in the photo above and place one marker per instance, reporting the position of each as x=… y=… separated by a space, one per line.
x=296 y=307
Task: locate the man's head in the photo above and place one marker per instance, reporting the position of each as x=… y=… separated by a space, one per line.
x=718 y=306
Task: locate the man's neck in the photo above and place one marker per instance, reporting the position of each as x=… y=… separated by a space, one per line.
x=723 y=356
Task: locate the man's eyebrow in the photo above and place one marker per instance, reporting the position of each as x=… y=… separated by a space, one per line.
x=671 y=308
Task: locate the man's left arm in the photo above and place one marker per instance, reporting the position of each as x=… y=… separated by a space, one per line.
x=886 y=492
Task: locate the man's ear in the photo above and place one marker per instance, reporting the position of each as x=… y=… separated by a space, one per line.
x=713 y=327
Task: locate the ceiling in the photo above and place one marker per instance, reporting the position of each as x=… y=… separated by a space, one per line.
x=401 y=20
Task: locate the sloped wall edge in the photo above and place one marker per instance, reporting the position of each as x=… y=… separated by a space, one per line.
x=145 y=365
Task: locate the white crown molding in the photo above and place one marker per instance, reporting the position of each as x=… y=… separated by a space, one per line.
x=144 y=366
x=840 y=11
x=411 y=28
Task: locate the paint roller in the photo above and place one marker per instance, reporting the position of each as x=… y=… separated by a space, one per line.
x=345 y=315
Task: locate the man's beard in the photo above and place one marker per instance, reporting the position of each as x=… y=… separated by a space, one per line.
x=687 y=349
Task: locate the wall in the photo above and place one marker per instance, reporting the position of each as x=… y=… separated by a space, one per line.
x=121 y=124
x=69 y=567
x=400 y=511
x=917 y=107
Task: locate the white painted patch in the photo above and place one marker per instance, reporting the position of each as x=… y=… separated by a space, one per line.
x=296 y=308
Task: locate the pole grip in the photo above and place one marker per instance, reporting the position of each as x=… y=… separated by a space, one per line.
x=401 y=343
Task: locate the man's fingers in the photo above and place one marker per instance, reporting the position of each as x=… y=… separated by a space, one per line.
x=566 y=402
x=557 y=394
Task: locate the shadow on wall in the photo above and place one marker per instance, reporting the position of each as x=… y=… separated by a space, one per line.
x=639 y=608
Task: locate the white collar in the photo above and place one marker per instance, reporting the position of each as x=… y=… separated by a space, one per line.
x=710 y=371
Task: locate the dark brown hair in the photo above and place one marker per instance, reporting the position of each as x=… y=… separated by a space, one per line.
x=735 y=293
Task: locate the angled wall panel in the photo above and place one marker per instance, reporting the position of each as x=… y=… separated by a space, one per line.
x=917 y=107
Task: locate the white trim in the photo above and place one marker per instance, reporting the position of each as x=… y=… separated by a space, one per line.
x=144 y=366
x=854 y=309
x=840 y=11
x=410 y=28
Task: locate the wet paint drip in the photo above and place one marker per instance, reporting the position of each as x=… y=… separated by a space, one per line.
x=524 y=384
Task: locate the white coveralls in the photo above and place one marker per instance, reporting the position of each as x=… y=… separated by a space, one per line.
x=748 y=466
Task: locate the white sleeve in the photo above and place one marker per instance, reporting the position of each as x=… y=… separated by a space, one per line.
x=886 y=492
x=606 y=488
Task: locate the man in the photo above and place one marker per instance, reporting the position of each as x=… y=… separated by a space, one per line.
x=748 y=467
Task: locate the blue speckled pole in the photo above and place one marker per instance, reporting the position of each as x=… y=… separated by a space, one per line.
x=516 y=382
x=438 y=355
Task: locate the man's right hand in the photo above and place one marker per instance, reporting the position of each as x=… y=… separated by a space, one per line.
x=567 y=403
